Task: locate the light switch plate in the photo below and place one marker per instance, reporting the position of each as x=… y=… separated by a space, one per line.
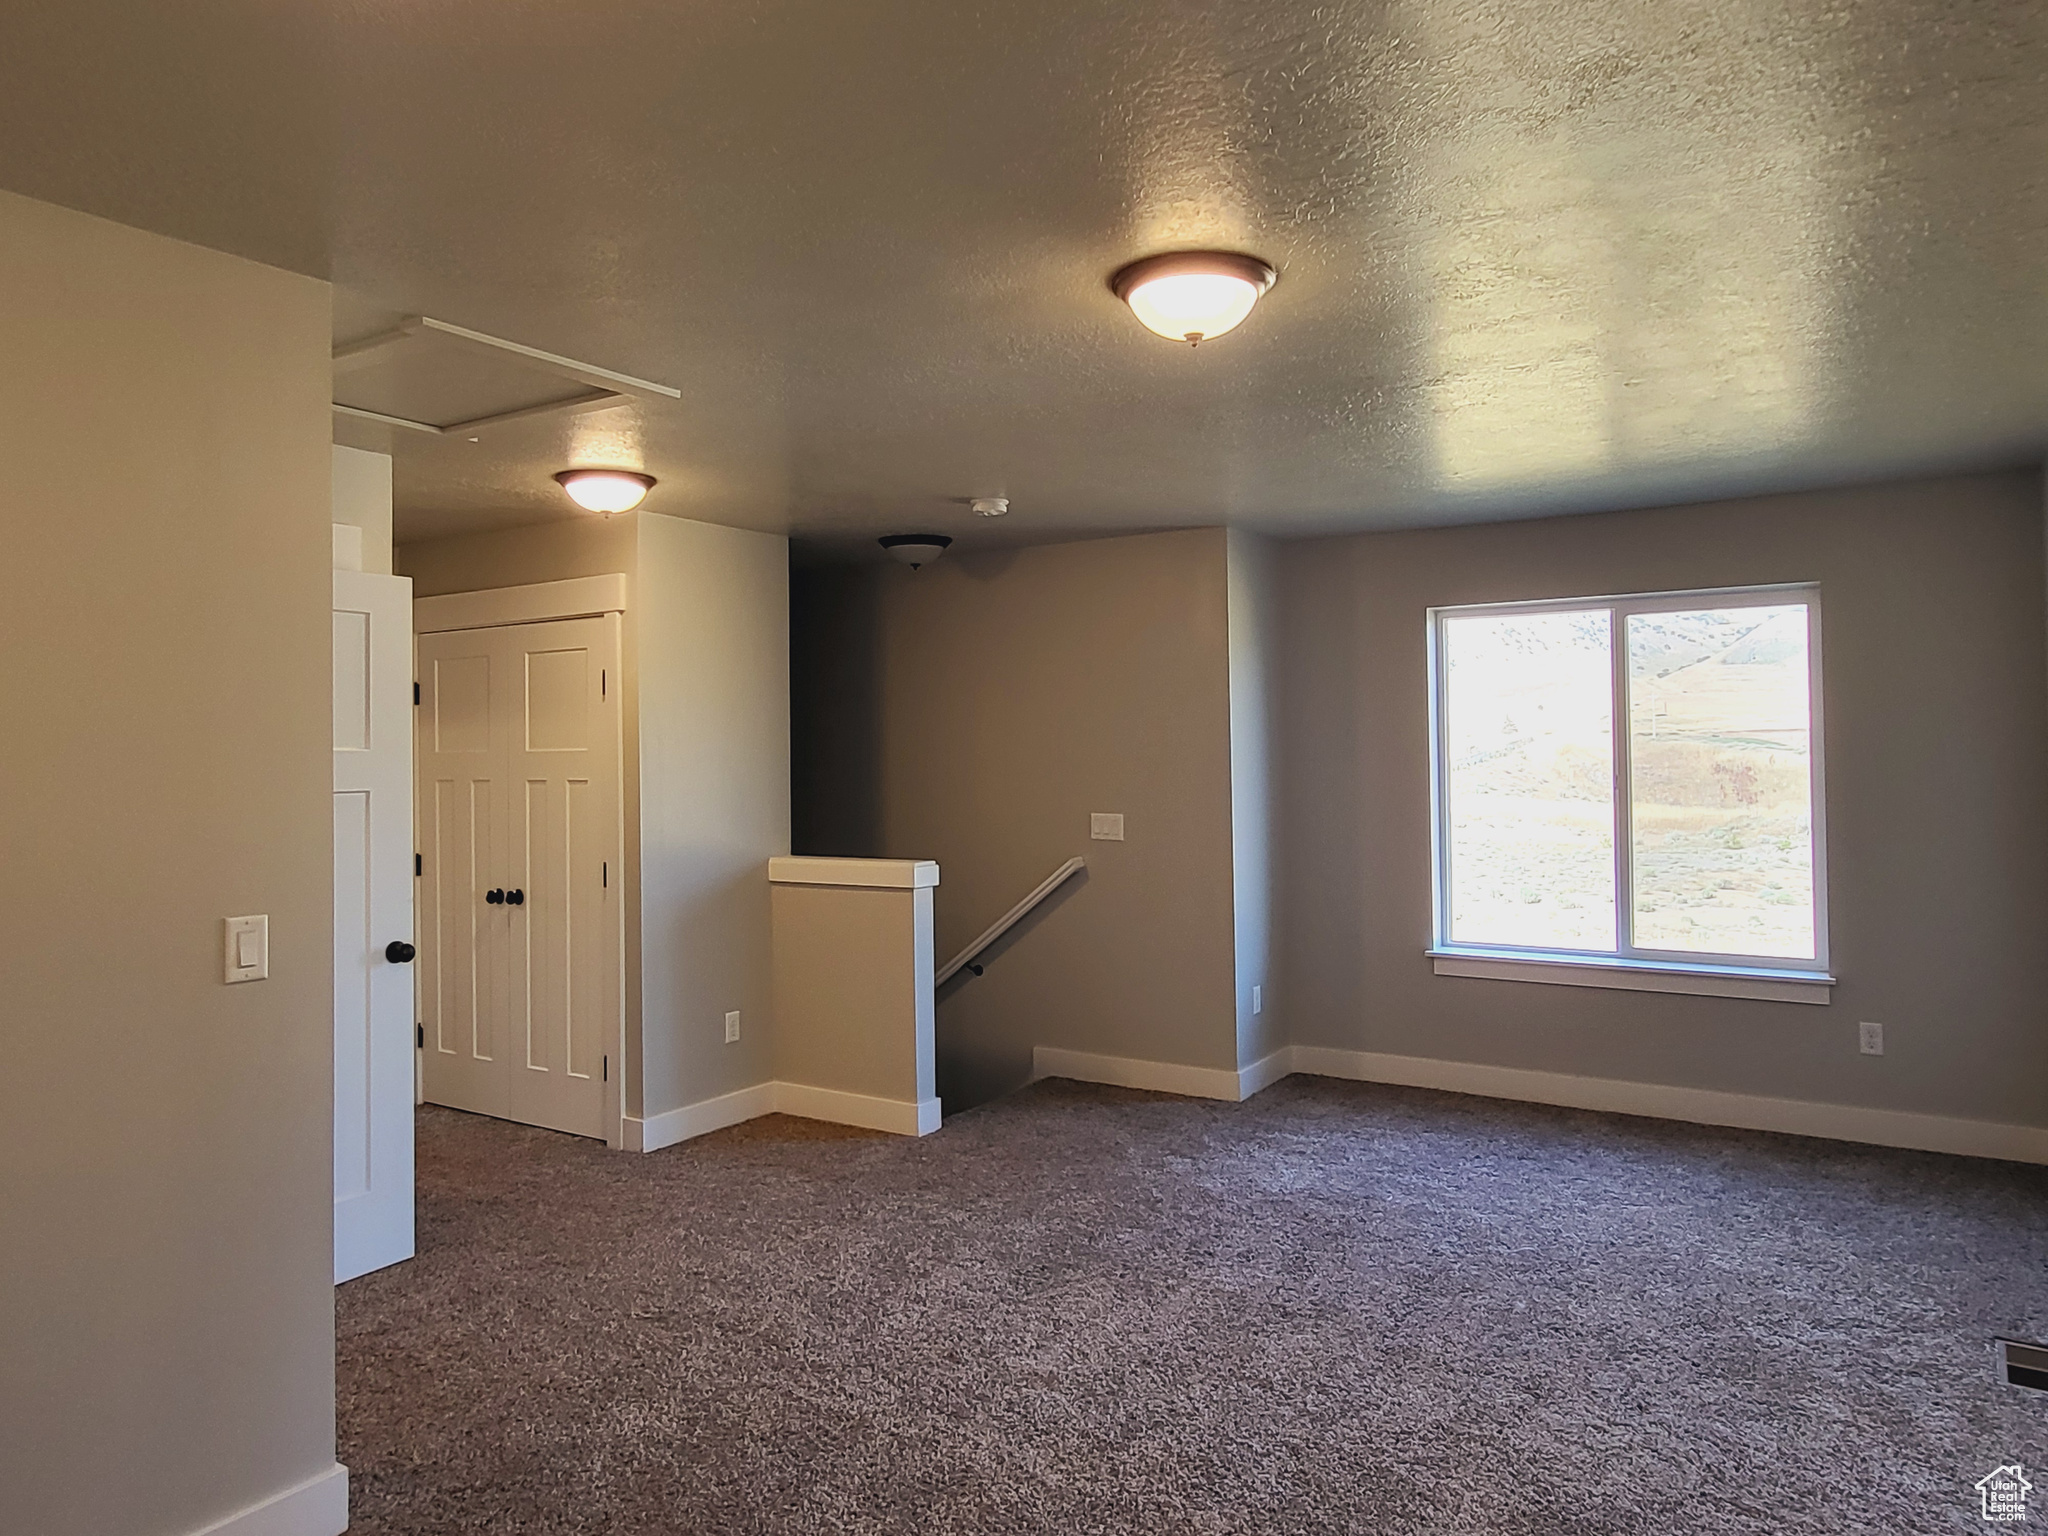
x=246 y=947
x=1106 y=827
x=732 y=1027
x=1258 y=999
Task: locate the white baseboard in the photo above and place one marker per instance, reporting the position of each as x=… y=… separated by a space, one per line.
x=1700 y=1106
x=1265 y=1072
x=1160 y=1076
x=903 y=1117
x=316 y=1507
x=674 y=1125
x=1752 y=1112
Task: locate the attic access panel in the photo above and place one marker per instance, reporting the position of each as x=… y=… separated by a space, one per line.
x=430 y=376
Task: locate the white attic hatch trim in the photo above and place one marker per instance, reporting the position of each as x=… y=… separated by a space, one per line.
x=603 y=387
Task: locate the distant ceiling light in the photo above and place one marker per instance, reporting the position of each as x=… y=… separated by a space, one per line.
x=990 y=506
x=1193 y=296
x=915 y=549
x=605 y=490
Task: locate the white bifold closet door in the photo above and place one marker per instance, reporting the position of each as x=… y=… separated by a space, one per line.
x=519 y=797
x=373 y=923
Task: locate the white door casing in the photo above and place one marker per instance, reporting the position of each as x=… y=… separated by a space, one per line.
x=373 y=896
x=520 y=803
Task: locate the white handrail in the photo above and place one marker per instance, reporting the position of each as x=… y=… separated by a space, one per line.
x=1010 y=919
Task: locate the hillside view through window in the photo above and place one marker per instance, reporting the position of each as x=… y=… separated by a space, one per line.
x=1687 y=831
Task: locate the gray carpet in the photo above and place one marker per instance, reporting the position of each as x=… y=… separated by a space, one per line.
x=1334 y=1308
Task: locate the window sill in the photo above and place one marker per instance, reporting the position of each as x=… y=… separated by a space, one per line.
x=1636 y=975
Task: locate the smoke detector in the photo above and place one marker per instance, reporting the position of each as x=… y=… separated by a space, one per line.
x=990 y=506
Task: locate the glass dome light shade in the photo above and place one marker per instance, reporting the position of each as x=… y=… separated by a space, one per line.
x=605 y=490
x=1193 y=296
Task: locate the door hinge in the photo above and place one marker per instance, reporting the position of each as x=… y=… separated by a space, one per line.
x=606 y=867
x=415 y=693
x=607 y=1069
x=420 y=1035
x=603 y=683
x=417 y=869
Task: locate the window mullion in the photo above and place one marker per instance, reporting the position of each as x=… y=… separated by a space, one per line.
x=1624 y=851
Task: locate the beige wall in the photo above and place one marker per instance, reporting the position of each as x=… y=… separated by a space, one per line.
x=707 y=778
x=1018 y=692
x=361 y=483
x=853 y=1001
x=514 y=557
x=1253 y=731
x=166 y=1155
x=1937 y=781
x=712 y=615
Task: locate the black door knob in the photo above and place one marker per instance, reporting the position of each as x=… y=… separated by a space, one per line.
x=515 y=898
x=494 y=897
x=398 y=952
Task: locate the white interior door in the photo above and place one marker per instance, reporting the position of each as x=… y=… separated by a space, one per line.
x=373 y=927
x=520 y=806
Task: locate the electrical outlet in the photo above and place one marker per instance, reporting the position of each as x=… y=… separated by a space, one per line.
x=1870 y=1039
x=1258 y=999
x=732 y=1026
x=1106 y=827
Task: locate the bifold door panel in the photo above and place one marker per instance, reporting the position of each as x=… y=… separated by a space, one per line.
x=519 y=797
x=461 y=792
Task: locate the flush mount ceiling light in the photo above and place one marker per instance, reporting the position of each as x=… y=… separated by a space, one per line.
x=605 y=490
x=915 y=549
x=1192 y=296
x=990 y=506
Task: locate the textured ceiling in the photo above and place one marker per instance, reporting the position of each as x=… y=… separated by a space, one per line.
x=1533 y=255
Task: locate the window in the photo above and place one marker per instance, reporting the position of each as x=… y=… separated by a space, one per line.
x=1633 y=786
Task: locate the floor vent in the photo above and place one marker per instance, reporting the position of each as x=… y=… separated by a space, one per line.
x=2023 y=1365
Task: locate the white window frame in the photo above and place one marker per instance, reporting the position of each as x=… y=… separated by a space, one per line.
x=1629 y=966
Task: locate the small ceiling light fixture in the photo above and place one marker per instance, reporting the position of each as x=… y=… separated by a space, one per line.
x=915 y=549
x=990 y=506
x=605 y=490
x=1193 y=296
